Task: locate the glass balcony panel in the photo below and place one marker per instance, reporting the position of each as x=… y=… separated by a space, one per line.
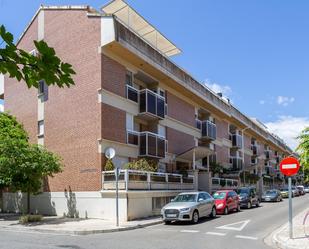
x=143 y=145
x=152 y=145
x=142 y=102
x=151 y=103
x=132 y=138
x=161 y=147
x=132 y=94
x=160 y=107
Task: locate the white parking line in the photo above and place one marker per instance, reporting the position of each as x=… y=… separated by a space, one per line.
x=217 y=234
x=189 y=231
x=245 y=237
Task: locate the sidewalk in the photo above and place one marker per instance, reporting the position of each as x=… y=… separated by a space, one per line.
x=59 y=225
x=280 y=237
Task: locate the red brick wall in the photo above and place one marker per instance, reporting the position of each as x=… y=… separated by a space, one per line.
x=222 y=154
x=72 y=115
x=247 y=142
x=113 y=124
x=19 y=100
x=222 y=129
x=180 y=110
x=178 y=142
x=113 y=76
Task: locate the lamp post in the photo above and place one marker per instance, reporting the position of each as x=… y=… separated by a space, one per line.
x=243 y=153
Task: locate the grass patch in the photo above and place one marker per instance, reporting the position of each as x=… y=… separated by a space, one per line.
x=24 y=219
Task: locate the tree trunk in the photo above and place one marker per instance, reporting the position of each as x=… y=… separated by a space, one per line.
x=28 y=202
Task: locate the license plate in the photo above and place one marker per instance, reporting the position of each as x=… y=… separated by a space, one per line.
x=267 y=199
x=171 y=215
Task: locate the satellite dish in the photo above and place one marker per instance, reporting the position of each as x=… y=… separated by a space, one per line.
x=110 y=153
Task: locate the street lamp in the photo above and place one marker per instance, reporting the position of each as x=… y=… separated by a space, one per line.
x=243 y=153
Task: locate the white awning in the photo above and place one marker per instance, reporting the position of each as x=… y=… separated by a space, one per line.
x=131 y=19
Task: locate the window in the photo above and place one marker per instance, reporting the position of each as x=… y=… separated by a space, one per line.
x=129 y=122
x=41 y=128
x=129 y=78
x=162 y=130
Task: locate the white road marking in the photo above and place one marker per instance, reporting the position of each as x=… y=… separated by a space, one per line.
x=217 y=234
x=245 y=237
x=189 y=231
x=235 y=226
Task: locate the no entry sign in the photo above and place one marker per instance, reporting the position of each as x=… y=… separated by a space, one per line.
x=289 y=166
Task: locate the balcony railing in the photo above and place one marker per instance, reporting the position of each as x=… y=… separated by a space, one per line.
x=144 y=180
x=267 y=154
x=254 y=161
x=236 y=163
x=151 y=104
x=254 y=149
x=236 y=141
x=218 y=183
x=150 y=144
x=209 y=130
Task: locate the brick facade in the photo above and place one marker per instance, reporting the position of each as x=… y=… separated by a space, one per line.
x=178 y=142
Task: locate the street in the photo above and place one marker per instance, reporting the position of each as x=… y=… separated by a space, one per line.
x=246 y=229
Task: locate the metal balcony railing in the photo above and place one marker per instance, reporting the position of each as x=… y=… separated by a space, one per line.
x=144 y=180
x=223 y=183
x=236 y=163
x=254 y=149
x=208 y=129
x=267 y=154
x=236 y=141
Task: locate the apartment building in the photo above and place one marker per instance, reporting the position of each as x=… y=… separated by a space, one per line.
x=131 y=96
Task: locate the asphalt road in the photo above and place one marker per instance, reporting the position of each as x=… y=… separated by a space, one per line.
x=251 y=227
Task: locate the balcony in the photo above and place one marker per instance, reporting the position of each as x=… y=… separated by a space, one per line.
x=254 y=149
x=236 y=163
x=254 y=161
x=144 y=180
x=208 y=129
x=236 y=141
x=151 y=104
x=150 y=144
x=222 y=183
x=267 y=154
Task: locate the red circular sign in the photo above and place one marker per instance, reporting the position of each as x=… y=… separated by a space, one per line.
x=289 y=166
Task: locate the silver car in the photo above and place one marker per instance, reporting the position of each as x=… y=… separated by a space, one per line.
x=189 y=207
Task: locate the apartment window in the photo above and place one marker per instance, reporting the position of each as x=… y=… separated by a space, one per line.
x=129 y=122
x=129 y=78
x=41 y=128
x=162 y=130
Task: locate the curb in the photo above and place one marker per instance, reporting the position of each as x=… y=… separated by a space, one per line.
x=86 y=232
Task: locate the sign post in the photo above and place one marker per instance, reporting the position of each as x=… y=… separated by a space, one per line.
x=290 y=166
x=110 y=154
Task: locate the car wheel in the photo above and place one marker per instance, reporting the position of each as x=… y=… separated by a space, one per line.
x=213 y=212
x=257 y=203
x=195 y=217
x=226 y=211
x=249 y=205
x=238 y=208
x=167 y=222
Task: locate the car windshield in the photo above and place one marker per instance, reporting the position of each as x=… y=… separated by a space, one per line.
x=284 y=189
x=219 y=195
x=243 y=191
x=271 y=192
x=185 y=198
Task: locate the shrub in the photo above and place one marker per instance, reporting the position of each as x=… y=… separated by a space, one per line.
x=109 y=165
x=24 y=219
x=142 y=164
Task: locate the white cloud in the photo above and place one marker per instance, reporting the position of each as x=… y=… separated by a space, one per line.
x=288 y=128
x=1 y=108
x=262 y=102
x=285 y=101
x=217 y=88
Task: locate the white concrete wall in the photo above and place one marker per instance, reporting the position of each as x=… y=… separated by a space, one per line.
x=1 y=84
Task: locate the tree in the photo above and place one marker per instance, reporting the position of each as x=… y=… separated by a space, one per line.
x=23 y=166
x=303 y=150
x=22 y=65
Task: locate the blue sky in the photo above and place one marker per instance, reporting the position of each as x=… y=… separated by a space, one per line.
x=256 y=52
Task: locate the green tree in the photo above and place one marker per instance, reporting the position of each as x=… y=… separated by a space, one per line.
x=23 y=166
x=22 y=65
x=303 y=150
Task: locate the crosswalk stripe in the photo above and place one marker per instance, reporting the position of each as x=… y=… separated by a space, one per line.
x=245 y=237
x=189 y=231
x=217 y=234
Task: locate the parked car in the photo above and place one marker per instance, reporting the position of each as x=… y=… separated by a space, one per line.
x=226 y=201
x=295 y=191
x=306 y=189
x=272 y=195
x=284 y=192
x=189 y=206
x=301 y=189
x=248 y=197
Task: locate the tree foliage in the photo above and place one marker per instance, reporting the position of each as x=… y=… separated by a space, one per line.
x=303 y=150
x=22 y=65
x=23 y=165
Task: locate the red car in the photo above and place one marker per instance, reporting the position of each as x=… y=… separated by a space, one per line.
x=226 y=201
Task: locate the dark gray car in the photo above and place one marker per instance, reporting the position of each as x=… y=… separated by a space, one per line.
x=272 y=195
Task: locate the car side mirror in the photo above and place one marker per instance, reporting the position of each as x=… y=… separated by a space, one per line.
x=200 y=200
x=172 y=200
